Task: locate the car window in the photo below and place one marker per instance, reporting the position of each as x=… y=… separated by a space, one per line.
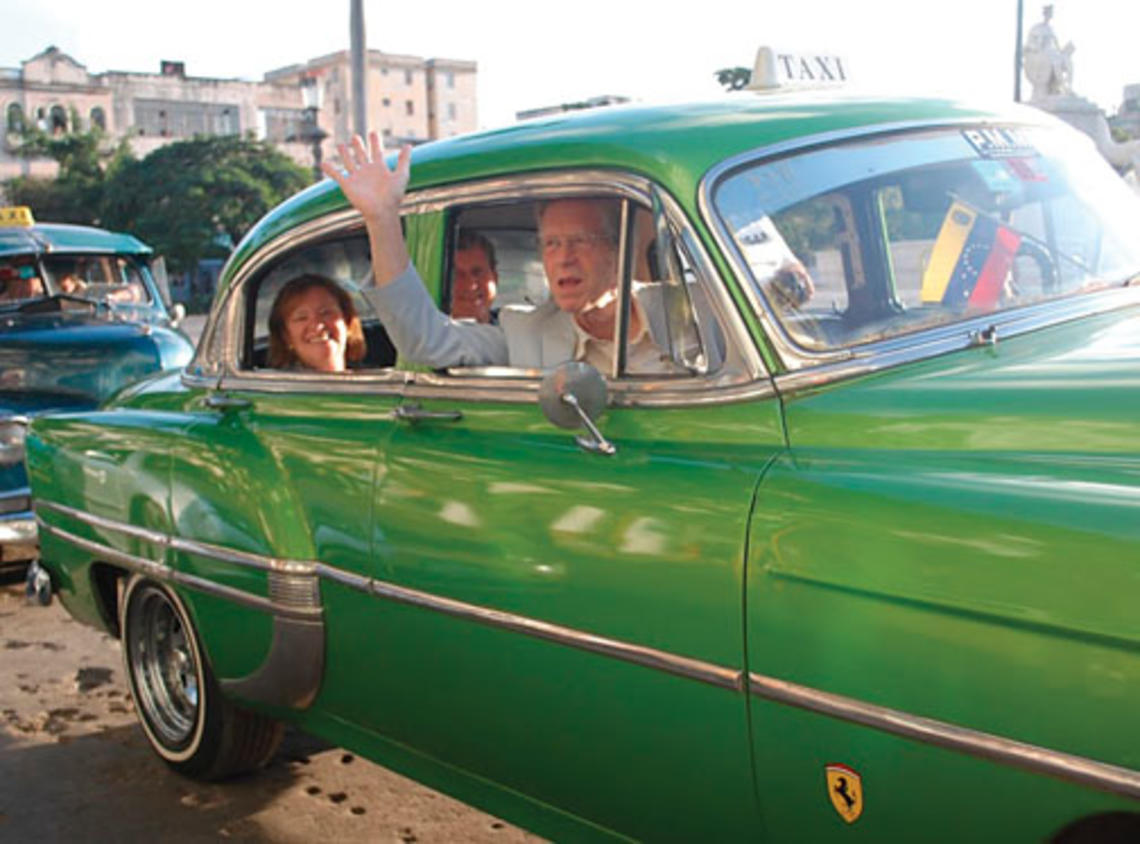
x=112 y=279
x=871 y=239
x=672 y=330
x=347 y=262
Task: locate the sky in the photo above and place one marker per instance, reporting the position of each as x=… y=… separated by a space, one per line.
x=531 y=54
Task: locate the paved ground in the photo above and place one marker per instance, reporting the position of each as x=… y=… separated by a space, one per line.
x=74 y=765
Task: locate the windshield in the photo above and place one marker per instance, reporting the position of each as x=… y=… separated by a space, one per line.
x=858 y=242
x=110 y=279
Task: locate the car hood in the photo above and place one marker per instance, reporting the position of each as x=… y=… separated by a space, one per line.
x=74 y=360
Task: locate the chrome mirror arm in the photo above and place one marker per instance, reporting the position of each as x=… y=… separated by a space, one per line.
x=596 y=443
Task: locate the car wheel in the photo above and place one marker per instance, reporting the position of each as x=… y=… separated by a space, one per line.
x=189 y=724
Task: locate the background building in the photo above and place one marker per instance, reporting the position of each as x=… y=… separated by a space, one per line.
x=409 y=99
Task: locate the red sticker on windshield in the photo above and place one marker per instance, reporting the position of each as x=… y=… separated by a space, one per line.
x=1023 y=168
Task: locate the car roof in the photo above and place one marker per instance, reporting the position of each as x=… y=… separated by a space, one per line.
x=46 y=238
x=675 y=144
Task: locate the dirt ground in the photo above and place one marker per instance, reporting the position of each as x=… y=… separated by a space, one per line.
x=74 y=765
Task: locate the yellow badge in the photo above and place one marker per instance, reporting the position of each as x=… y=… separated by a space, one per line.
x=845 y=788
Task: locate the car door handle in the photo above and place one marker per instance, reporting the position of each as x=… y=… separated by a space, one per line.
x=220 y=401
x=415 y=413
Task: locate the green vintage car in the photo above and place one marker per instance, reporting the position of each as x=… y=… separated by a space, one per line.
x=860 y=563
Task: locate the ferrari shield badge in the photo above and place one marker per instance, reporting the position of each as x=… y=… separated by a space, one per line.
x=845 y=788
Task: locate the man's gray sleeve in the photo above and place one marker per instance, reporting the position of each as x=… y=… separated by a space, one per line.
x=425 y=335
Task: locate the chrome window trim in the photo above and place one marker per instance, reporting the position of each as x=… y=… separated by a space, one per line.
x=217 y=350
x=216 y=362
x=1035 y=758
x=388 y=382
x=959 y=336
x=807 y=368
x=622 y=394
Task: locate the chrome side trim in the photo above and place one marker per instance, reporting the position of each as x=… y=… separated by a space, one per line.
x=692 y=669
x=244 y=558
x=18 y=492
x=1016 y=754
x=299 y=642
x=670 y=663
x=103 y=522
x=161 y=571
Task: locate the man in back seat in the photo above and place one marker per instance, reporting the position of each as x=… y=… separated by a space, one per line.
x=474 y=278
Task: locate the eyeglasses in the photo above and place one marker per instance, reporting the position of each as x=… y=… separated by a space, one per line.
x=554 y=243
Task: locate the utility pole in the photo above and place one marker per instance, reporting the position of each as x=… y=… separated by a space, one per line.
x=359 y=89
x=1017 y=57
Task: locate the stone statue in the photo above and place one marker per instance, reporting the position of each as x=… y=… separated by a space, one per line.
x=1047 y=65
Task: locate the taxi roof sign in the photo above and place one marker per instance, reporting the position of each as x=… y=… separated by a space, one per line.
x=782 y=70
x=16 y=215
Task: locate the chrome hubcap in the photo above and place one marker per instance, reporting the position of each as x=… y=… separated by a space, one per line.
x=163 y=666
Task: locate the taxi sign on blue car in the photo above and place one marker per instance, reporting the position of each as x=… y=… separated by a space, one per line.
x=16 y=215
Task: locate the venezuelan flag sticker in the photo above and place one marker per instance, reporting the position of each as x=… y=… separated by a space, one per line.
x=845 y=790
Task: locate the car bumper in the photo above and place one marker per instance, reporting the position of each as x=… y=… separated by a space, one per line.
x=19 y=537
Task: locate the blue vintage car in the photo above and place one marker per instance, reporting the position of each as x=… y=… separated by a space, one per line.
x=83 y=312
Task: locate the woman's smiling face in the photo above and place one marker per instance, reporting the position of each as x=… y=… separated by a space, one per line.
x=316 y=330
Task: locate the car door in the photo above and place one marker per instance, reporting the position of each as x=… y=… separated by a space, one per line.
x=280 y=466
x=565 y=624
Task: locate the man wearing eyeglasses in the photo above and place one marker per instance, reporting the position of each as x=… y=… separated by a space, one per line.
x=579 y=248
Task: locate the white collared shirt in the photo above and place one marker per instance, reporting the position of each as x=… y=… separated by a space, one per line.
x=643 y=357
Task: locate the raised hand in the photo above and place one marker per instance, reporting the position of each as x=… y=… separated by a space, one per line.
x=376 y=192
x=364 y=177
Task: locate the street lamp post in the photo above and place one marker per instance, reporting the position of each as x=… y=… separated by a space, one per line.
x=1017 y=55
x=312 y=131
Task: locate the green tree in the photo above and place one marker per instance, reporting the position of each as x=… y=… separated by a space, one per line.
x=193 y=199
x=733 y=78
x=75 y=195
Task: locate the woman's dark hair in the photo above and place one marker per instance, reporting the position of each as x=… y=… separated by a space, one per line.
x=280 y=355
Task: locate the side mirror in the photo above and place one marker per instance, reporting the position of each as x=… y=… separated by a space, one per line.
x=161 y=279
x=573 y=395
x=177 y=314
